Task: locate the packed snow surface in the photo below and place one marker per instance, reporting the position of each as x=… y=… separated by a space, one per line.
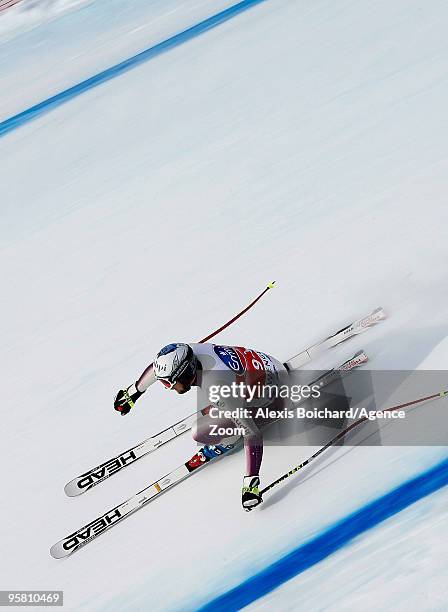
x=300 y=141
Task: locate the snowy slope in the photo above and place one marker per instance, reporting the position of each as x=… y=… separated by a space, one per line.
x=300 y=142
x=68 y=47
x=401 y=566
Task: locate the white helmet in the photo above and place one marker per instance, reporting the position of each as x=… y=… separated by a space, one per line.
x=175 y=362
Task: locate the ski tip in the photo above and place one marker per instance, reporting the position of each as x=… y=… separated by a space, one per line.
x=72 y=490
x=271 y=285
x=358 y=359
x=361 y=356
x=380 y=312
x=58 y=552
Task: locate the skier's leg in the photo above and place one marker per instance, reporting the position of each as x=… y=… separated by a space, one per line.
x=254 y=455
x=253 y=446
x=203 y=431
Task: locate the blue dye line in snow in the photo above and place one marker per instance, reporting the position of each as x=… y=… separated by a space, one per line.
x=110 y=73
x=331 y=540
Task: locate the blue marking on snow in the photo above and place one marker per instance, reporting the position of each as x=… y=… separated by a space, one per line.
x=331 y=540
x=110 y=73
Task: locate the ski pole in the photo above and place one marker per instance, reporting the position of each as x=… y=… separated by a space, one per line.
x=240 y=314
x=343 y=433
x=149 y=376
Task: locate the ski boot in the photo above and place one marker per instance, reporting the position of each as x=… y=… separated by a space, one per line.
x=207 y=453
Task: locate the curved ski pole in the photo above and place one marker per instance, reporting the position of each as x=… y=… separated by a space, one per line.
x=240 y=314
x=149 y=375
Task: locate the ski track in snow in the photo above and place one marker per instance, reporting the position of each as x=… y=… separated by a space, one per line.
x=112 y=72
x=69 y=47
x=297 y=142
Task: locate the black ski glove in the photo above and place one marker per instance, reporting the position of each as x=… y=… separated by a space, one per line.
x=126 y=398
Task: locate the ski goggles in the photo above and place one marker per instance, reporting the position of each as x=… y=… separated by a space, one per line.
x=185 y=377
x=168 y=384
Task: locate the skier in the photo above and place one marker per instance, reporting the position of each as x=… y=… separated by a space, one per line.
x=181 y=366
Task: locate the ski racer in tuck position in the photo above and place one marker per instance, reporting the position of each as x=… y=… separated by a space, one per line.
x=180 y=367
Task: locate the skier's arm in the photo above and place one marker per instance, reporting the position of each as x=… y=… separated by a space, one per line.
x=126 y=398
x=147 y=379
